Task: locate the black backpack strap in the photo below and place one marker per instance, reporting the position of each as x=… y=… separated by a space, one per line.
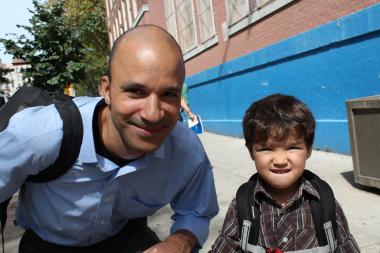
x=24 y=97
x=323 y=210
x=71 y=142
x=245 y=204
x=3 y=212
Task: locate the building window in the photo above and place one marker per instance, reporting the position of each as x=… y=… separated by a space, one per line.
x=133 y=11
x=186 y=24
x=171 y=22
x=121 y=21
x=206 y=20
x=258 y=4
x=236 y=10
x=191 y=23
x=242 y=13
x=123 y=7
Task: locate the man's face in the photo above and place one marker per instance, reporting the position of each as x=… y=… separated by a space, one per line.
x=281 y=164
x=144 y=96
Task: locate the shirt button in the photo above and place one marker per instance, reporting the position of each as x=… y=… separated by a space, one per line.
x=102 y=222
x=108 y=199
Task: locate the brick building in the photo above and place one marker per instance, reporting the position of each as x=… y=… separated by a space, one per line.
x=15 y=77
x=237 y=51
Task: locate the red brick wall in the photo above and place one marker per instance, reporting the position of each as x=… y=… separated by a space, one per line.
x=156 y=13
x=298 y=17
x=293 y=19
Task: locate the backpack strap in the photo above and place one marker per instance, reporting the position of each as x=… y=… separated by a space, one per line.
x=71 y=142
x=3 y=213
x=24 y=97
x=323 y=211
x=248 y=212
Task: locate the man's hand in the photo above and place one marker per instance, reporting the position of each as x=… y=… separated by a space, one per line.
x=180 y=242
x=192 y=116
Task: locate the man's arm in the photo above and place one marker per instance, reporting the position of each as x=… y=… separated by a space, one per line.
x=181 y=241
x=24 y=152
x=195 y=204
x=186 y=107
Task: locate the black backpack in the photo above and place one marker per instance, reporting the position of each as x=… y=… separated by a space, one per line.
x=72 y=133
x=323 y=212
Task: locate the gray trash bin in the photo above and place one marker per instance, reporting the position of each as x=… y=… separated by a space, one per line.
x=364 y=125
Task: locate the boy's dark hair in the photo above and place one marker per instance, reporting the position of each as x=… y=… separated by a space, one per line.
x=276 y=116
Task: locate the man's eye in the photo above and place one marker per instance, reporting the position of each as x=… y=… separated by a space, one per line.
x=294 y=148
x=135 y=91
x=171 y=94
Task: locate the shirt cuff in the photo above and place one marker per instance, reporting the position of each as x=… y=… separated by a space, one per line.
x=196 y=225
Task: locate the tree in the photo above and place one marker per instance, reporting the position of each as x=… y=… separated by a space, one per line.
x=55 y=52
x=87 y=18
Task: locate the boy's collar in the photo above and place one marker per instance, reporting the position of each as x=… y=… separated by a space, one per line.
x=305 y=187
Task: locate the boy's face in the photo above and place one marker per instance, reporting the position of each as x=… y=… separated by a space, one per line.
x=281 y=164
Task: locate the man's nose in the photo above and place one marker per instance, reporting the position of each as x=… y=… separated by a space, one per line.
x=152 y=111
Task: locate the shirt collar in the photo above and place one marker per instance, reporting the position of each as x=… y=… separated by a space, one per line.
x=305 y=188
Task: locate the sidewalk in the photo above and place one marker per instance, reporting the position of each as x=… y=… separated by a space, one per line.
x=233 y=166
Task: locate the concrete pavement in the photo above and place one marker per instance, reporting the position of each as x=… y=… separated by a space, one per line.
x=233 y=166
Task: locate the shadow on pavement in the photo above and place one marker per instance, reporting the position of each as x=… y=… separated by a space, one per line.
x=349 y=176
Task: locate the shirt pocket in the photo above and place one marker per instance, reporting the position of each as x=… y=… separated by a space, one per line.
x=134 y=208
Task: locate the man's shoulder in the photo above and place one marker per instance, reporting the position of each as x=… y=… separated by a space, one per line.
x=184 y=136
x=84 y=101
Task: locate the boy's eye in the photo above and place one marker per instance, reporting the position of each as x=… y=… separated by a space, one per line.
x=295 y=148
x=261 y=149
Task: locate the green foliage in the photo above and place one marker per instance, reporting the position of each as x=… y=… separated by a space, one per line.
x=87 y=17
x=68 y=43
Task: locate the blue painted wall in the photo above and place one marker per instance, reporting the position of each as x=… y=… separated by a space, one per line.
x=323 y=67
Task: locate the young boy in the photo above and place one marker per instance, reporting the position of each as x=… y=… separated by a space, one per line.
x=279 y=134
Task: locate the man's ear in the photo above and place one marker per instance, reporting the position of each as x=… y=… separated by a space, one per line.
x=106 y=89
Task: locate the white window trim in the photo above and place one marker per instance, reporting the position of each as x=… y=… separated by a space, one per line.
x=254 y=17
x=200 y=48
x=144 y=8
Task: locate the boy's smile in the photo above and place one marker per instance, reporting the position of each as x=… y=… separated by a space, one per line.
x=281 y=164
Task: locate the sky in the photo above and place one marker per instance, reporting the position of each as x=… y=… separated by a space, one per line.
x=12 y=13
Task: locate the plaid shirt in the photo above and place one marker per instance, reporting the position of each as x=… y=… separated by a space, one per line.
x=289 y=227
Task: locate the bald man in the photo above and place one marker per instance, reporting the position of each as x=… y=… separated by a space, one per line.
x=135 y=158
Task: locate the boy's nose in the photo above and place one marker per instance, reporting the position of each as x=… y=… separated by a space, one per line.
x=280 y=158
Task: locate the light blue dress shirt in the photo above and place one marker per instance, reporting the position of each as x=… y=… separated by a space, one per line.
x=95 y=198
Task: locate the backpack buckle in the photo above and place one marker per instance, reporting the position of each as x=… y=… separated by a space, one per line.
x=245 y=229
x=276 y=250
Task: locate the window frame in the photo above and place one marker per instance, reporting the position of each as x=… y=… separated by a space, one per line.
x=202 y=41
x=199 y=46
x=254 y=16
